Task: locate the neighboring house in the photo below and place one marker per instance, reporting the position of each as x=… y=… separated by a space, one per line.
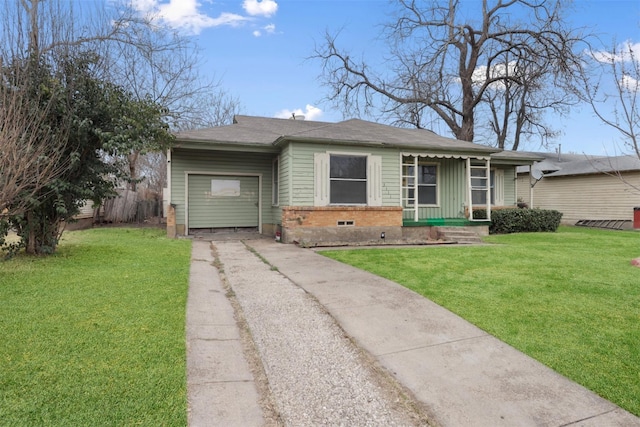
x=84 y=218
x=595 y=190
x=333 y=183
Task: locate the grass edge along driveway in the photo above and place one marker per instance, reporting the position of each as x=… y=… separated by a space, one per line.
x=569 y=299
x=95 y=335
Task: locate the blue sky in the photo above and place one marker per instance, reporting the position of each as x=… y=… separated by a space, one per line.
x=258 y=50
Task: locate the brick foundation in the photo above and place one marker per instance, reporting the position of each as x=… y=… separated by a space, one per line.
x=328 y=216
x=172 y=231
x=340 y=225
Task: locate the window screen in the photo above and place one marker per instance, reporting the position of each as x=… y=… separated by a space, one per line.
x=348 y=179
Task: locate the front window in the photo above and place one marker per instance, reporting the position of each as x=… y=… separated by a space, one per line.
x=479 y=182
x=427 y=184
x=422 y=177
x=348 y=179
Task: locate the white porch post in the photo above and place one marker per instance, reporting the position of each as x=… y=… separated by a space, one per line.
x=530 y=188
x=416 y=211
x=488 y=175
x=469 y=191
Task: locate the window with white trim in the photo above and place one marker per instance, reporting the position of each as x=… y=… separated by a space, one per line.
x=422 y=176
x=347 y=179
x=479 y=186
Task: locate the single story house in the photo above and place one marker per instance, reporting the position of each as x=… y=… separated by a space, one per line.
x=590 y=190
x=319 y=183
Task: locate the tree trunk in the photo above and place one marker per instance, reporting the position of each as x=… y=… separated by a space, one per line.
x=31 y=239
x=133 y=160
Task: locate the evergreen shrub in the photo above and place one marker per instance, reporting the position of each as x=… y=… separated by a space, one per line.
x=505 y=221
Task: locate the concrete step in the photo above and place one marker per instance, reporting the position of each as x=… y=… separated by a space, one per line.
x=458 y=235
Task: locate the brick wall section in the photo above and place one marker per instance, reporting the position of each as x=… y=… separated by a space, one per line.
x=328 y=216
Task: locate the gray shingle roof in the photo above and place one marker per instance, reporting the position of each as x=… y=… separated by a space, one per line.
x=554 y=165
x=356 y=131
x=249 y=130
x=271 y=131
x=510 y=155
x=595 y=165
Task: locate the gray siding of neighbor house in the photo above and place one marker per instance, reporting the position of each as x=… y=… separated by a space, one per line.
x=595 y=197
x=221 y=162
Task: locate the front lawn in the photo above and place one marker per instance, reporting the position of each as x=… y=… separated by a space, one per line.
x=569 y=299
x=95 y=335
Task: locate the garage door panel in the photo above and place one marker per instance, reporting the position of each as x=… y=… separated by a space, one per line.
x=232 y=201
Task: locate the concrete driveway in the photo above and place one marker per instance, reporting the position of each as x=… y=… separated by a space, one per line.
x=454 y=373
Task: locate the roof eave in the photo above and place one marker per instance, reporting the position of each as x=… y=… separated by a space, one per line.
x=479 y=150
x=223 y=145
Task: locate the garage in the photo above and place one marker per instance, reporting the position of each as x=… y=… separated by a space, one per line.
x=223 y=201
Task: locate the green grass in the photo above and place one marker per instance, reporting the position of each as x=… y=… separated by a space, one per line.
x=570 y=299
x=95 y=335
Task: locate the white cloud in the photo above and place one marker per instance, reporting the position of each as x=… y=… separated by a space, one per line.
x=630 y=83
x=624 y=52
x=310 y=113
x=260 y=7
x=497 y=71
x=269 y=29
x=185 y=14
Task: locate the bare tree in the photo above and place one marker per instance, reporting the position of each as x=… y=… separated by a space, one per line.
x=441 y=66
x=149 y=60
x=514 y=109
x=153 y=170
x=217 y=109
x=164 y=66
x=611 y=86
x=30 y=155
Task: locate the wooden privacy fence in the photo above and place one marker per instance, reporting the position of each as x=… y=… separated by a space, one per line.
x=129 y=206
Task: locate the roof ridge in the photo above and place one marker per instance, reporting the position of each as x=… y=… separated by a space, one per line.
x=324 y=125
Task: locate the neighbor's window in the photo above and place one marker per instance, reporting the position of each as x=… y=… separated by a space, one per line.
x=348 y=179
x=275 y=174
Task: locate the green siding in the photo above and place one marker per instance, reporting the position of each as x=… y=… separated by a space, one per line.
x=302 y=180
x=285 y=176
x=297 y=177
x=510 y=197
x=221 y=162
x=451 y=190
x=207 y=210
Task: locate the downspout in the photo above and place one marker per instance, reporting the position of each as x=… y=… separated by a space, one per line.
x=171 y=209
x=169 y=174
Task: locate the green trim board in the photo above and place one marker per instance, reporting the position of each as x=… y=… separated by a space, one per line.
x=443 y=222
